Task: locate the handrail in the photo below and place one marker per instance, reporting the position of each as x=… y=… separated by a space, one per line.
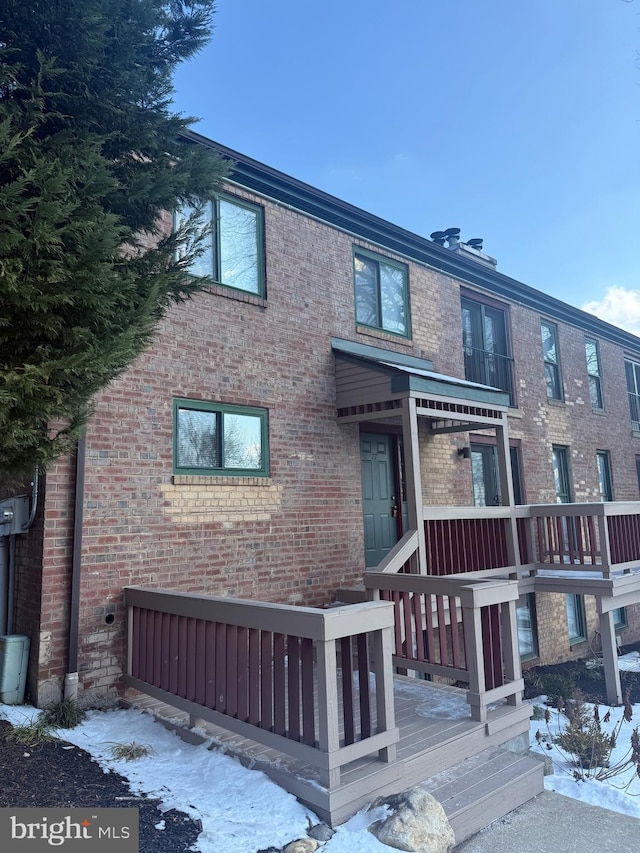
x=595 y=508
x=451 y=513
x=399 y=555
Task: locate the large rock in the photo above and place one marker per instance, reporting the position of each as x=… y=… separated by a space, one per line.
x=417 y=823
x=302 y=845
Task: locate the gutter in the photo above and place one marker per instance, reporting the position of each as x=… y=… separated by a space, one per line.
x=267 y=181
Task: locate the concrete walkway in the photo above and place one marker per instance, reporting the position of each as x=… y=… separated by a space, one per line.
x=551 y=823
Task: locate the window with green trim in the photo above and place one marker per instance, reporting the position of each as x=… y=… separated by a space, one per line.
x=234 y=254
x=551 y=357
x=527 y=627
x=220 y=439
x=593 y=370
x=619 y=618
x=382 y=293
x=576 y=619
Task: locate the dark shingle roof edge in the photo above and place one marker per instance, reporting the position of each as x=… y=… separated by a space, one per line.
x=267 y=181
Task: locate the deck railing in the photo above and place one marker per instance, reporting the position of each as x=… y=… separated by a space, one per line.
x=457 y=629
x=467 y=539
x=296 y=679
x=592 y=537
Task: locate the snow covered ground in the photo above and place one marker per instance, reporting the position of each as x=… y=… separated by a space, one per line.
x=621 y=793
x=242 y=811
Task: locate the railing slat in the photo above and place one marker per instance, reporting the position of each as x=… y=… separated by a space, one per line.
x=293 y=686
x=183 y=652
x=442 y=631
x=308 y=704
x=190 y=690
x=174 y=659
x=430 y=639
x=455 y=640
x=221 y=668
x=266 y=681
x=231 y=665
x=201 y=662
x=417 y=600
x=348 y=710
x=243 y=674
x=279 y=685
x=366 y=723
x=210 y=655
x=254 y=676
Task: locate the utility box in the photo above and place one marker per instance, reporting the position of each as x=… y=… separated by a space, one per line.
x=14 y=660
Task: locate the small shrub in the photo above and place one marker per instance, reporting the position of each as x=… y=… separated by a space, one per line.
x=130 y=751
x=64 y=714
x=558 y=687
x=585 y=744
x=31 y=734
x=538 y=713
x=589 y=747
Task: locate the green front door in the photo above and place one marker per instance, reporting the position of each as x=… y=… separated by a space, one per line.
x=379 y=505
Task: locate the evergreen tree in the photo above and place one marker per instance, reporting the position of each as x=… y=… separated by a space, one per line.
x=92 y=162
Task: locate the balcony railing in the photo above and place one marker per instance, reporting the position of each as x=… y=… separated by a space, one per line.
x=596 y=537
x=490 y=368
x=634 y=406
x=593 y=537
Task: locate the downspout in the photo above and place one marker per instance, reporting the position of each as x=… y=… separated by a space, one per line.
x=71 y=676
x=11 y=597
x=35 y=485
x=4 y=584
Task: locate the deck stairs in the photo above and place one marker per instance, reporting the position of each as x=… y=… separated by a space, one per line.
x=485 y=788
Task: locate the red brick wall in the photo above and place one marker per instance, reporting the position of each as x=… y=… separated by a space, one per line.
x=295 y=536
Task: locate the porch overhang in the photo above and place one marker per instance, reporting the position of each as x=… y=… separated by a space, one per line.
x=371 y=384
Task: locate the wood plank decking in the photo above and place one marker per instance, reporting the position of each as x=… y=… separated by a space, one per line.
x=436 y=735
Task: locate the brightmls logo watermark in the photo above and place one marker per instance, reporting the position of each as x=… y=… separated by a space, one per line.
x=82 y=830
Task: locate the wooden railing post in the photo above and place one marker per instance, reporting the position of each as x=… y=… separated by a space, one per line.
x=510 y=649
x=605 y=548
x=475 y=662
x=328 y=733
x=382 y=650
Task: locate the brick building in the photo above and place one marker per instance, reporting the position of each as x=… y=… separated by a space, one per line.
x=248 y=453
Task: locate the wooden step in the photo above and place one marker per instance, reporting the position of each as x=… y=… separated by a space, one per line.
x=485 y=787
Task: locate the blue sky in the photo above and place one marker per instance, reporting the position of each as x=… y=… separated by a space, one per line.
x=518 y=122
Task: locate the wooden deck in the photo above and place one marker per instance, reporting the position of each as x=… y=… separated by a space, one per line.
x=436 y=736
